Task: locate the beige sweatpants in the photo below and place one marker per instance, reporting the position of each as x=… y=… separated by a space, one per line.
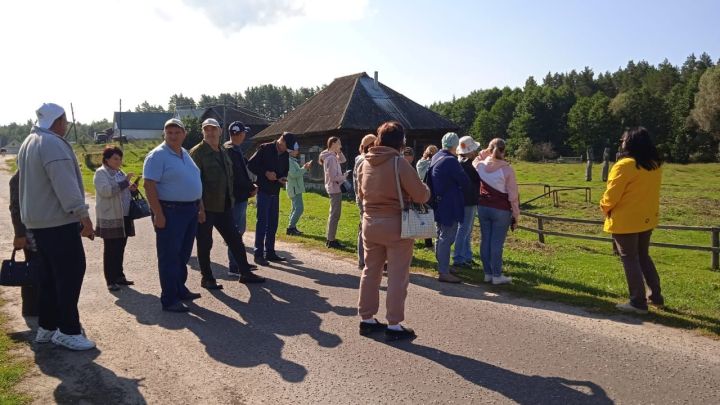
x=382 y=243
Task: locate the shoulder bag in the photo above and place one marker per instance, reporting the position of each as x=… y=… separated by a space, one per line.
x=139 y=207
x=418 y=220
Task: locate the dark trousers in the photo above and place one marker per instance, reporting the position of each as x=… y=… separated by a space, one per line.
x=225 y=224
x=174 y=245
x=268 y=210
x=113 y=257
x=633 y=249
x=61 y=277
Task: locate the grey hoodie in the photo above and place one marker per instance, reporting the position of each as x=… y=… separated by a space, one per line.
x=51 y=188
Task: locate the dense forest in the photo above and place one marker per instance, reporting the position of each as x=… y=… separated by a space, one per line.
x=570 y=112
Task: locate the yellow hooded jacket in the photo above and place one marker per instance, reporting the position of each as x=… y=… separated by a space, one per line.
x=631 y=202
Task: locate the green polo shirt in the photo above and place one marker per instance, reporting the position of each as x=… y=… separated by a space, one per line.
x=216 y=175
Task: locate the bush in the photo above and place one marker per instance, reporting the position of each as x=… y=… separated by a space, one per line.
x=521 y=149
x=544 y=151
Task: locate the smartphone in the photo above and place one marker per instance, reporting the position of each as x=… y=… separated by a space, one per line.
x=137 y=180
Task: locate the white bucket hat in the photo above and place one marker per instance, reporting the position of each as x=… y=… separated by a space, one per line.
x=47 y=114
x=467 y=145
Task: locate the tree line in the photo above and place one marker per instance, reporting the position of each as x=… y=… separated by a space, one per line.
x=272 y=102
x=571 y=112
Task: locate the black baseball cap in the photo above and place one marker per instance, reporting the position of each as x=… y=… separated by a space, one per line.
x=237 y=126
x=290 y=141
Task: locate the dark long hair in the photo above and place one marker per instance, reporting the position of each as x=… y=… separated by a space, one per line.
x=638 y=145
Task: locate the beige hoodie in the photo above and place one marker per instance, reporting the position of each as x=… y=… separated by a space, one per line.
x=378 y=191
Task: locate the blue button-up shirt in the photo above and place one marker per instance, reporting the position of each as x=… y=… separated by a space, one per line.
x=176 y=175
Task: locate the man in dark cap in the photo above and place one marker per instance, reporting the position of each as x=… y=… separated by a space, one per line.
x=244 y=187
x=270 y=163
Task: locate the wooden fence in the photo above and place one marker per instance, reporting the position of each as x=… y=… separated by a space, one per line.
x=714 y=249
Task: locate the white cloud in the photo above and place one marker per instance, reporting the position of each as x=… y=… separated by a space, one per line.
x=234 y=15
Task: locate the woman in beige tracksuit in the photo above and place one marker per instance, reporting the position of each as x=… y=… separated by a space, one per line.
x=381 y=230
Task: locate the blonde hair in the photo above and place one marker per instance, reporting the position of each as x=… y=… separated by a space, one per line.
x=497 y=148
x=367 y=142
x=430 y=151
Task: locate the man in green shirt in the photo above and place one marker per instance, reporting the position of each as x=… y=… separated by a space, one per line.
x=216 y=174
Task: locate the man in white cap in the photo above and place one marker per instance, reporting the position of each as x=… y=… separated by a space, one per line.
x=52 y=206
x=174 y=191
x=216 y=174
x=448 y=182
x=467 y=152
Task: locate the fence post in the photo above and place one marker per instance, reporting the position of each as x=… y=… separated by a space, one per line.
x=716 y=245
x=541 y=235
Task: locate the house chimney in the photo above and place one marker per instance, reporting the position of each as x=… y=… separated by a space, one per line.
x=376 y=80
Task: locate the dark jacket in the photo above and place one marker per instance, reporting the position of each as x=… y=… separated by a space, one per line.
x=15 y=206
x=266 y=159
x=216 y=174
x=449 y=183
x=472 y=194
x=243 y=185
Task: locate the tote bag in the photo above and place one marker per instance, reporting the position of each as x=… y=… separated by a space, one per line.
x=418 y=220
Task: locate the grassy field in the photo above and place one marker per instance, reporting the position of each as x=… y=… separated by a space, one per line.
x=578 y=272
x=12 y=370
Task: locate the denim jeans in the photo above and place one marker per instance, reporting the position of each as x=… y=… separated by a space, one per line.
x=174 y=245
x=61 y=277
x=445 y=240
x=494 y=225
x=463 y=240
x=298 y=206
x=268 y=210
x=239 y=212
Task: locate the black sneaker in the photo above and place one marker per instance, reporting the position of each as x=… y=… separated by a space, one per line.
x=190 y=296
x=177 y=307
x=260 y=261
x=368 y=328
x=334 y=244
x=248 y=278
x=293 y=232
x=273 y=257
x=234 y=272
x=113 y=287
x=124 y=281
x=393 y=335
x=211 y=285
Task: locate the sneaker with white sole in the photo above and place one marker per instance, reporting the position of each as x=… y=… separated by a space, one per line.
x=488 y=278
x=501 y=280
x=628 y=307
x=73 y=342
x=44 y=335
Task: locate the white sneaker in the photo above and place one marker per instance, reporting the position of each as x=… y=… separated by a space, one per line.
x=44 y=335
x=73 y=342
x=488 y=278
x=628 y=307
x=501 y=280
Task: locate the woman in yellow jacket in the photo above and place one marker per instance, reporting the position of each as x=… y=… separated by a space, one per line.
x=631 y=205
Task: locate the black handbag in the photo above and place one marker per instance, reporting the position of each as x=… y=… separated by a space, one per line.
x=14 y=273
x=345 y=187
x=139 y=207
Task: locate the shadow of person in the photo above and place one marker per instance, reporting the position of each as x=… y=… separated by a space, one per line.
x=81 y=379
x=520 y=388
x=278 y=308
x=324 y=278
x=226 y=340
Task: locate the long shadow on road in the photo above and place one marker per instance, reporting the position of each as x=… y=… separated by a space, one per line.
x=520 y=388
x=226 y=340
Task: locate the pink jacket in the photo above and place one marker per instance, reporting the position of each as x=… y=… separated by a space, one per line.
x=499 y=175
x=334 y=176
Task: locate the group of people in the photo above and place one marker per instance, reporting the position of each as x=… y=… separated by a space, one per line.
x=190 y=193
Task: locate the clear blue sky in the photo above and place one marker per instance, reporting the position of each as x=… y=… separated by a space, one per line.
x=428 y=50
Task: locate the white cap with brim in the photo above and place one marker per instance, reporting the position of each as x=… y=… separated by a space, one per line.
x=174 y=122
x=47 y=114
x=467 y=145
x=212 y=122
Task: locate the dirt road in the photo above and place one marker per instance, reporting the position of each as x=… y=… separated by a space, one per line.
x=294 y=340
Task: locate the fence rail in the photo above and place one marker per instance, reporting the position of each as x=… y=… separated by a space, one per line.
x=714 y=249
x=553 y=191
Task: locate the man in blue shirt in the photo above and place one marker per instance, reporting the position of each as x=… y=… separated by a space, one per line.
x=174 y=191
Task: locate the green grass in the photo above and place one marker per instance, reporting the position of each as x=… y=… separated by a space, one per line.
x=577 y=272
x=12 y=369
